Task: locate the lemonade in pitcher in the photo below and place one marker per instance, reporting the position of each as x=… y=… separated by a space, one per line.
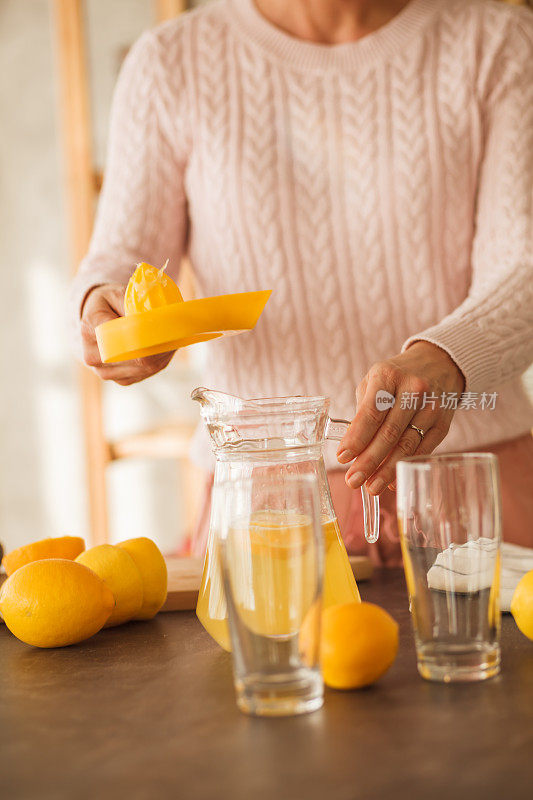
x=277 y=546
x=271 y=439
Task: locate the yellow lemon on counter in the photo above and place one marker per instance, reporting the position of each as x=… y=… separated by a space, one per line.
x=522 y=605
x=54 y=602
x=359 y=642
x=118 y=569
x=153 y=569
x=149 y=288
x=61 y=547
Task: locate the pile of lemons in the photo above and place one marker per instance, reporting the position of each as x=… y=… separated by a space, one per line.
x=58 y=593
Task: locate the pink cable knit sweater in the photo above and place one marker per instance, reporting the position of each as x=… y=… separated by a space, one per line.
x=382 y=188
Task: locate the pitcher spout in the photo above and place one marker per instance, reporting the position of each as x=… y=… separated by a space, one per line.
x=214 y=402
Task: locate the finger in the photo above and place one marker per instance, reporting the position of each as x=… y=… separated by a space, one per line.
x=119 y=372
x=115 y=298
x=386 y=438
x=91 y=353
x=102 y=306
x=432 y=439
x=128 y=381
x=139 y=366
x=156 y=363
x=87 y=331
x=410 y=444
x=344 y=454
x=128 y=372
x=98 y=315
x=407 y=446
x=365 y=423
x=360 y=391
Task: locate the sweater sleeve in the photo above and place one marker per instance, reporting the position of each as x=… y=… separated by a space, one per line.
x=490 y=335
x=142 y=210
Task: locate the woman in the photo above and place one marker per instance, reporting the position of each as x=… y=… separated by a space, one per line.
x=372 y=162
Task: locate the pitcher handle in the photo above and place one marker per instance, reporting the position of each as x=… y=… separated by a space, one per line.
x=335 y=430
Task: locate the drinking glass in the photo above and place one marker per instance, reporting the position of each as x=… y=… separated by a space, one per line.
x=270 y=545
x=450 y=532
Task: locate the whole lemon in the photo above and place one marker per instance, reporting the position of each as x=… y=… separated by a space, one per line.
x=118 y=569
x=60 y=547
x=522 y=605
x=359 y=643
x=54 y=602
x=153 y=569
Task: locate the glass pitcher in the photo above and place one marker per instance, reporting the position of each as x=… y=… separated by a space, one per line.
x=274 y=436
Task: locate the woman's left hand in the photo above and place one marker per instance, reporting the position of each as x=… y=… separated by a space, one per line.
x=377 y=439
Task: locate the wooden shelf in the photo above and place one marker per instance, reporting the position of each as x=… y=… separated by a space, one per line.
x=170 y=440
x=83 y=183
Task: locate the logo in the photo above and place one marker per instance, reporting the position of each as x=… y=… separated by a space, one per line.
x=384 y=400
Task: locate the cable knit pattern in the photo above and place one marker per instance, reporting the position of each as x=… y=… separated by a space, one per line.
x=383 y=189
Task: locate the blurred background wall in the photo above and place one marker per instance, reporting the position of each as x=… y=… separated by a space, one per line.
x=42 y=479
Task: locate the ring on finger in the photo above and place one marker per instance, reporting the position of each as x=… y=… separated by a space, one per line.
x=412 y=438
x=406 y=447
x=421 y=432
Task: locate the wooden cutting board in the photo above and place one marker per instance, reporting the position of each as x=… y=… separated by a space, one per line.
x=184 y=576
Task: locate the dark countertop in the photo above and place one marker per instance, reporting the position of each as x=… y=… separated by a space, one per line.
x=147 y=711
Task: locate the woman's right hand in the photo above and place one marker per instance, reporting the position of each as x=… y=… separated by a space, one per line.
x=102 y=304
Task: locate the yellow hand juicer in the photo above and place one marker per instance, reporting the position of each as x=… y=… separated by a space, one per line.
x=158 y=320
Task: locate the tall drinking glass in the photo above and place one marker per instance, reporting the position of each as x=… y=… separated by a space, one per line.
x=450 y=531
x=271 y=545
